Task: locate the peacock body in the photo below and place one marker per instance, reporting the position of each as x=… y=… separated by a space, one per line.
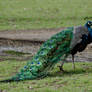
x=55 y=49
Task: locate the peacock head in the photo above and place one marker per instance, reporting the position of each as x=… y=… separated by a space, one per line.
x=89 y=27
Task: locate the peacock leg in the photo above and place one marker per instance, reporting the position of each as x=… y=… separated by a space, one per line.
x=61 y=66
x=62 y=63
x=73 y=62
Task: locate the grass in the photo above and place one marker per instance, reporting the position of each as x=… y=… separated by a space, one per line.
x=36 y=14
x=11 y=52
x=79 y=80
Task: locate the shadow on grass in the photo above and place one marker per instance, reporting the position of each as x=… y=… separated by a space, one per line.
x=69 y=72
x=59 y=74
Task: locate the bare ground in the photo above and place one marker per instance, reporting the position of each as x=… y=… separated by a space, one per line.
x=32 y=35
x=29 y=41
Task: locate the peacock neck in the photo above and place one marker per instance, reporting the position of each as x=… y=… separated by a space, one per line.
x=90 y=31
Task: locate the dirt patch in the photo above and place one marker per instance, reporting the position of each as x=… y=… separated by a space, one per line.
x=32 y=35
x=26 y=41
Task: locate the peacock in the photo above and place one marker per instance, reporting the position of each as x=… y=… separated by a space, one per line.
x=67 y=42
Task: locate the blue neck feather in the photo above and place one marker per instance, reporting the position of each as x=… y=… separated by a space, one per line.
x=89 y=29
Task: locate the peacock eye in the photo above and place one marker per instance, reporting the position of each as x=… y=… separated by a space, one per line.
x=91 y=27
x=88 y=23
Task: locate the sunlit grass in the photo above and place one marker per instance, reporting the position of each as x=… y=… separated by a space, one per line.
x=79 y=80
x=34 y=14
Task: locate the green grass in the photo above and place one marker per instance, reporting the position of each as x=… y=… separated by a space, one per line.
x=36 y=14
x=11 y=52
x=79 y=80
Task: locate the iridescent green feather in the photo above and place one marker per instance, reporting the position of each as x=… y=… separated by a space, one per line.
x=50 y=53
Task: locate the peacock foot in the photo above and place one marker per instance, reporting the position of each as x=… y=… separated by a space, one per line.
x=61 y=69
